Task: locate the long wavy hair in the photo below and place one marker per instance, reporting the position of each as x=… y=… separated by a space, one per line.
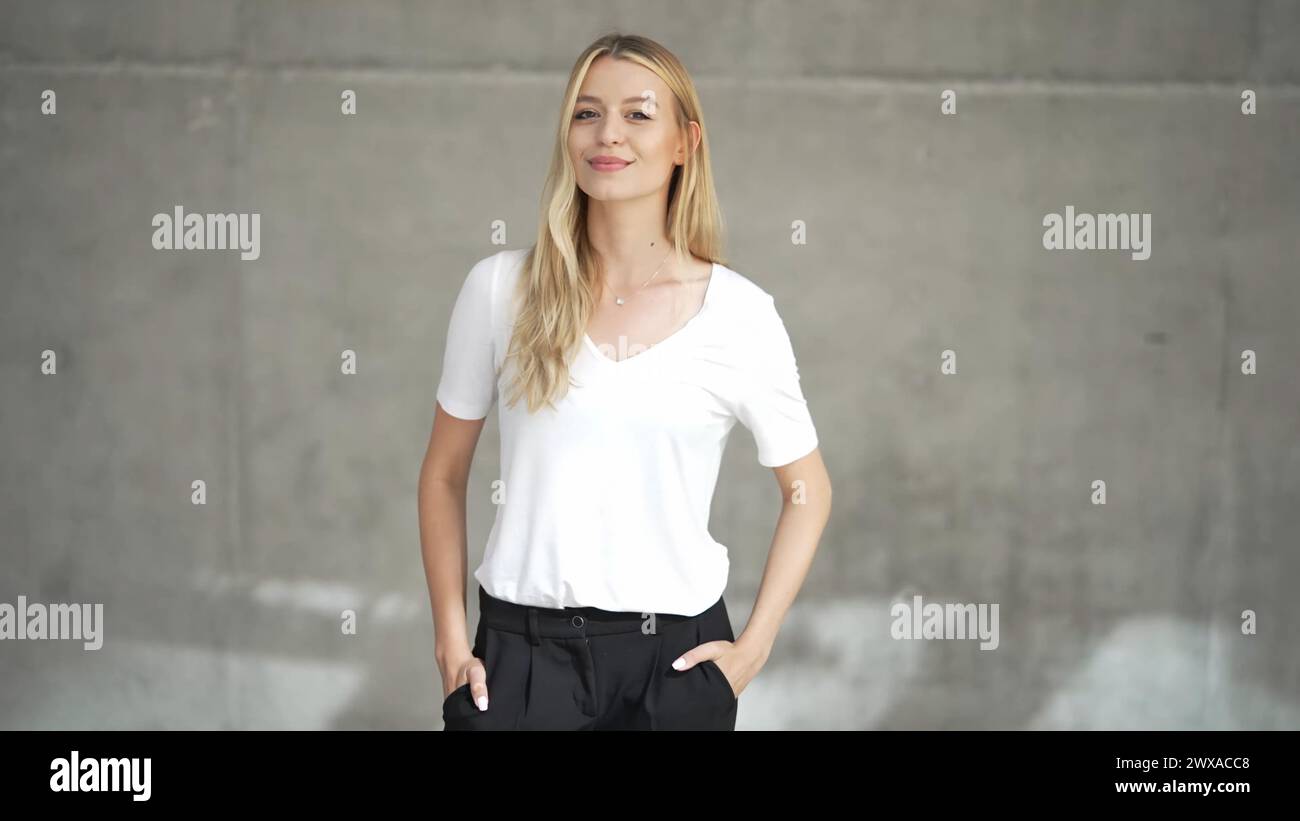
x=558 y=288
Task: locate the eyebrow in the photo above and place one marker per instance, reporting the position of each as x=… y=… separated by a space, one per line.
x=586 y=98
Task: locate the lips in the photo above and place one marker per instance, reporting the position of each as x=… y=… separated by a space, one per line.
x=605 y=163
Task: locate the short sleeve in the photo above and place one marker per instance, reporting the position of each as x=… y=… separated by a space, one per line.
x=772 y=404
x=468 y=386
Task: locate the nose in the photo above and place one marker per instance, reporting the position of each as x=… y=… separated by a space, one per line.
x=611 y=131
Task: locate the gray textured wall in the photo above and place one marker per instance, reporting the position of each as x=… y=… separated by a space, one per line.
x=924 y=234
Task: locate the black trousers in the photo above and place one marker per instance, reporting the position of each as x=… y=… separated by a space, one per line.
x=583 y=668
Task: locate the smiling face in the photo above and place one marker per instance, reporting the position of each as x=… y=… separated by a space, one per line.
x=627 y=115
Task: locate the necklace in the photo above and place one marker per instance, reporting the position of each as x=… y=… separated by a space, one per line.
x=618 y=300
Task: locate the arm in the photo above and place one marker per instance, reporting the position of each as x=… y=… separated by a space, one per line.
x=771 y=404
x=805 y=508
x=444 y=478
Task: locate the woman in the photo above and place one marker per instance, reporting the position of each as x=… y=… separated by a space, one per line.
x=623 y=351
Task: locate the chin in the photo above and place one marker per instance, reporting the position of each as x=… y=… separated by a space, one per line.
x=607 y=193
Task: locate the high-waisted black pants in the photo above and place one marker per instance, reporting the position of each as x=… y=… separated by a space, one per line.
x=583 y=668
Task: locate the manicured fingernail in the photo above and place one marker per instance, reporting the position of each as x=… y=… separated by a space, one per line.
x=482 y=703
x=680 y=664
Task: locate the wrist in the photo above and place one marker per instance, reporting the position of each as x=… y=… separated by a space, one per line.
x=757 y=645
x=452 y=650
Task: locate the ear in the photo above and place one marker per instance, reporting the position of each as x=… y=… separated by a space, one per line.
x=693 y=136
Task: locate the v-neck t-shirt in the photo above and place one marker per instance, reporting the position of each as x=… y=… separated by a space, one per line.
x=604 y=498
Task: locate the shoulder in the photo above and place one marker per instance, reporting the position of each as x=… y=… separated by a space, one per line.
x=756 y=331
x=742 y=302
x=490 y=280
x=493 y=269
x=738 y=288
x=511 y=262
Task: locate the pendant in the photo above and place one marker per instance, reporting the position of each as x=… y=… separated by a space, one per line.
x=618 y=300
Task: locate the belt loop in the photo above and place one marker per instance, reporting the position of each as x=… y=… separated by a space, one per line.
x=533 y=637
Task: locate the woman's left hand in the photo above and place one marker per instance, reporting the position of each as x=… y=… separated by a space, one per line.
x=737 y=661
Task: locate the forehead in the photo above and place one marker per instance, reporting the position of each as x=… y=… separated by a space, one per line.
x=613 y=80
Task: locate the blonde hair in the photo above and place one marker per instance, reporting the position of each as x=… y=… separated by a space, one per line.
x=558 y=286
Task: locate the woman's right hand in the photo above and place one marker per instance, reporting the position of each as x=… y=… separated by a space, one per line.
x=470 y=669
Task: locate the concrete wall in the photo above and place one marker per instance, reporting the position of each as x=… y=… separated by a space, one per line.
x=924 y=234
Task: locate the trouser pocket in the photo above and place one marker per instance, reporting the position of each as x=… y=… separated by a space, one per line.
x=701 y=697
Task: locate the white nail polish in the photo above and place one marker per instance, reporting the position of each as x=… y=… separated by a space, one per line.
x=482 y=702
x=679 y=664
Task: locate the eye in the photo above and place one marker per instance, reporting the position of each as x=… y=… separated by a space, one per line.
x=579 y=116
x=642 y=113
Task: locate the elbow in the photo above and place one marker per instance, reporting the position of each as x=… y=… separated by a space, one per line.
x=827 y=495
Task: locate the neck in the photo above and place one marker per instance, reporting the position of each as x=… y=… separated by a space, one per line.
x=629 y=240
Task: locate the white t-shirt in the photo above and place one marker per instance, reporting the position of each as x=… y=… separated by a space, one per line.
x=606 y=496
